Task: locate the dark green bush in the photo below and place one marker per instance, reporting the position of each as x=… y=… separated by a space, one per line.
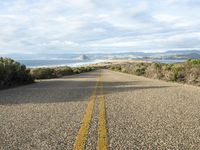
x=48 y=73
x=194 y=61
x=13 y=73
x=116 y=67
x=63 y=71
x=78 y=70
x=43 y=73
x=140 y=71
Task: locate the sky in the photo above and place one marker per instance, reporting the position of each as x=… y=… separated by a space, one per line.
x=90 y=26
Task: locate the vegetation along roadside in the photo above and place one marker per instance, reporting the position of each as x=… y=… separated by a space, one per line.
x=187 y=72
x=13 y=73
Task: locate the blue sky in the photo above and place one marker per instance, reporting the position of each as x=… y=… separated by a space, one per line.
x=72 y=26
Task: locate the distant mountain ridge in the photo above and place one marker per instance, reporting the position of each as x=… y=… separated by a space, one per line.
x=182 y=54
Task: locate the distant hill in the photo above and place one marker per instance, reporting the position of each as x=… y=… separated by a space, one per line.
x=83 y=57
x=189 y=56
x=176 y=56
x=183 y=52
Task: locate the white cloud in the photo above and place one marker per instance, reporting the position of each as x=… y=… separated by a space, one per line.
x=99 y=30
x=166 y=18
x=148 y=42
x=67 y=25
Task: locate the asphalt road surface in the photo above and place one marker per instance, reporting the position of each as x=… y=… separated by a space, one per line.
x=100 y=110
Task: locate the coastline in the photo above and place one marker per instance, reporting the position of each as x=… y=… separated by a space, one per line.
x=82 y=63
x=32 y=64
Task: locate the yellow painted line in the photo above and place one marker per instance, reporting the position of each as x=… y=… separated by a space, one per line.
x=102 y=132
x=83 y=131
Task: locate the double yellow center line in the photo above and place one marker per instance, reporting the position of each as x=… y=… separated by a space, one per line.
x=102 y=132
x=102 y=136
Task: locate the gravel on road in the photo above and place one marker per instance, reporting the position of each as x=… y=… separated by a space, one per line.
x=45 y=115
x=150 y=114
x=141 y=113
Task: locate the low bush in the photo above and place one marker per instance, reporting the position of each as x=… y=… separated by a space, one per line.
x=186 y=72
x=43 y=73
x=13 y=73
x=194 y=61
x=48 y=73
x=78 y=70
x=63 y=71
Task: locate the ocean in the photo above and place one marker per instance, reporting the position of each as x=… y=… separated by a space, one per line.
x=56 y=63
x=73 y=63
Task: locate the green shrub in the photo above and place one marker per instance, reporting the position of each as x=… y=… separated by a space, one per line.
x=154 y=71
x=186 y=72
x=194 y=61
x=140 y=71
x=48 y=73
x=13 y=73
x=193 y=76
x=43 y=73
x=116 y=67
x=63 y=71
x=78 y=70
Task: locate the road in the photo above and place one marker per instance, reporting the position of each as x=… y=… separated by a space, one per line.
x=100 y=110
